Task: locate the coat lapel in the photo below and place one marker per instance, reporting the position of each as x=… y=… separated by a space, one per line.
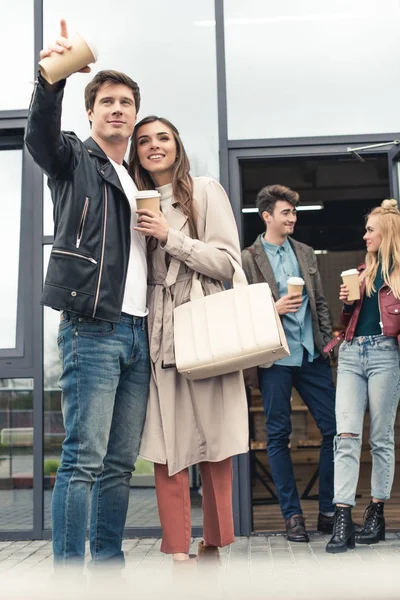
x=304 y=266
x=106 y=170
x=265 y=267
x=176 y=219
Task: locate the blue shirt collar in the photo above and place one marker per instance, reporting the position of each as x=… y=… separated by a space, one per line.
x=273 y=249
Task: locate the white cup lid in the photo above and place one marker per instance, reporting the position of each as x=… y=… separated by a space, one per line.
x=295 y=281
x=148 y=194
x=92 y=46
x=349 y=272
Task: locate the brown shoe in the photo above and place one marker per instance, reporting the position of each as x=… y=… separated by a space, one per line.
x=296 y=529
x=207 y=552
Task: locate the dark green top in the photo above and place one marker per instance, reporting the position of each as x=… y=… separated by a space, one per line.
x=369 y=317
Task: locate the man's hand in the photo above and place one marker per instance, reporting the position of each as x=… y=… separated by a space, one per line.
x=151 y=223
x=289 y=303
x=61 y=44
x=344 y=294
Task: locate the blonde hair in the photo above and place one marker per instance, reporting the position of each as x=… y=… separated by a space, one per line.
x=389 y=251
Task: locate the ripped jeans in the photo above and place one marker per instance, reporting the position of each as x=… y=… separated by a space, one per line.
x=368 y=375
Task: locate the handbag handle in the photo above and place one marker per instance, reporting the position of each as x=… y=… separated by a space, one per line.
x=238 y=279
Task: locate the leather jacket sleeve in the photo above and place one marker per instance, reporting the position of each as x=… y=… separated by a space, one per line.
x=346 y=314
x=56 y=153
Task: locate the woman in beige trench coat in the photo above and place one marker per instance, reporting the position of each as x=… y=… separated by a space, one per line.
x=187 y=422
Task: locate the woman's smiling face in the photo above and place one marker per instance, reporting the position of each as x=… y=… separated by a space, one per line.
x=156 y=149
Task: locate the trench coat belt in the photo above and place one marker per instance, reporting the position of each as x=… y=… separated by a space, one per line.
x=163 y=314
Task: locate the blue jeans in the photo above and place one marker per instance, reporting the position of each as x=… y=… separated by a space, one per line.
x=368 y=374
x=105 y=383
x=313 y=381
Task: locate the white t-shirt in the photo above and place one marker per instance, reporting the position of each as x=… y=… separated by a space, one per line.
x=134 y=302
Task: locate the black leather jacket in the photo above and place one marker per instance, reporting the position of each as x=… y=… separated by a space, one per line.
x=92 y=215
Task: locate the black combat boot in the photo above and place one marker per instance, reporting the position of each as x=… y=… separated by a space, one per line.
x=373 y=529
x=343 y=531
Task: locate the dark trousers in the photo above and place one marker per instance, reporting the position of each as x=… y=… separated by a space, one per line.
x=313 y=381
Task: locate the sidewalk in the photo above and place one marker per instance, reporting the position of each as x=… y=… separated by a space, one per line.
x=260 y=567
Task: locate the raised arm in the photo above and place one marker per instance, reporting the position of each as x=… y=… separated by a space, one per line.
x=56 y=154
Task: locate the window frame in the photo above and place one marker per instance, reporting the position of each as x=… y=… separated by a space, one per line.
x=15 y=361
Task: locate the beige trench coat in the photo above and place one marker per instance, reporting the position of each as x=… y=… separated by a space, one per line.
x=187 y=421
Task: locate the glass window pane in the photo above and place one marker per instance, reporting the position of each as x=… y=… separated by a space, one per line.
x=184 y=89
x=48 y=224
x=10 y=225
x=17 y=66
x=16 y=454
x=311 y=68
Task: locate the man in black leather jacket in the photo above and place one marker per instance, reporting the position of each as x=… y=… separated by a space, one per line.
x=97 y=278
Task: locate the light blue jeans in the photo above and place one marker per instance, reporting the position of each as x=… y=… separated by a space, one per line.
x=105 y=384
x=368 y=374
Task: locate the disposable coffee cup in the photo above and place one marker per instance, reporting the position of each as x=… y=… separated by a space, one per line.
x=149 y=199
x=60 y=66
x=351 y=279
x=295 y=285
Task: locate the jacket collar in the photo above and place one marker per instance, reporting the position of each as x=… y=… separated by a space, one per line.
x=106 y=170
x=266 y=269
x=304 y=265
x=175 y=217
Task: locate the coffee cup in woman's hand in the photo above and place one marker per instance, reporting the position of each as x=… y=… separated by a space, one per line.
x=344 y=294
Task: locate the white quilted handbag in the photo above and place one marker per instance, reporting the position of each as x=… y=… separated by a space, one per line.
x=228 y=331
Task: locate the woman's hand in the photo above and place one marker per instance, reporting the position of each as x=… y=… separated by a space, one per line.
x=151 y=223
x=344 y=294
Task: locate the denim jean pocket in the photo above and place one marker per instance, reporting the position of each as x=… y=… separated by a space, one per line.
x=94 y=327
x=60 y=344
x=387 y=343
x=64 y=322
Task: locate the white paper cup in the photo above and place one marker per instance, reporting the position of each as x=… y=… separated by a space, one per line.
x=351 y=278
x=149 y=199
x=59 y=66
x=295 y=285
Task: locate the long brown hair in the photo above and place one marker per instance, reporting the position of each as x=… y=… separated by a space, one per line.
x=182 y=183
x=389 y=251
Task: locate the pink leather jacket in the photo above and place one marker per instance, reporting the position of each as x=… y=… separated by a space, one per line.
x=389 y=308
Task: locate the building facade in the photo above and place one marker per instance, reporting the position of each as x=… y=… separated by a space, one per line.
x=257 y=89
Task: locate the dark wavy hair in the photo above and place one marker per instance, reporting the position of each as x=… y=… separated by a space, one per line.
x=182 y=183
x=268 y=196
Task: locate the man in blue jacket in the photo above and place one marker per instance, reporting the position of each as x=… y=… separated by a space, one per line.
x=97 y=279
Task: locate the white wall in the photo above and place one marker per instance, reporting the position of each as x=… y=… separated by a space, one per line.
x=17 y=53
x=312 y=67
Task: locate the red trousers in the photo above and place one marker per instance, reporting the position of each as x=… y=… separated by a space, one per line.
x=173 y=498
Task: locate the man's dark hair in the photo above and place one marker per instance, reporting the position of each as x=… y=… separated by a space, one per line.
x=101 y=77
x=271 y=194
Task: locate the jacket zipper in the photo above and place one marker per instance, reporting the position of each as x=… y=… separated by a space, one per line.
x=379 y=306
x=102 y=250
x=36 y=83
x=82 y=223
x=92 y=260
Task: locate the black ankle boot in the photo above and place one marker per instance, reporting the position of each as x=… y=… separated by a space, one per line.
x=343 y=531
x=373 y=529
